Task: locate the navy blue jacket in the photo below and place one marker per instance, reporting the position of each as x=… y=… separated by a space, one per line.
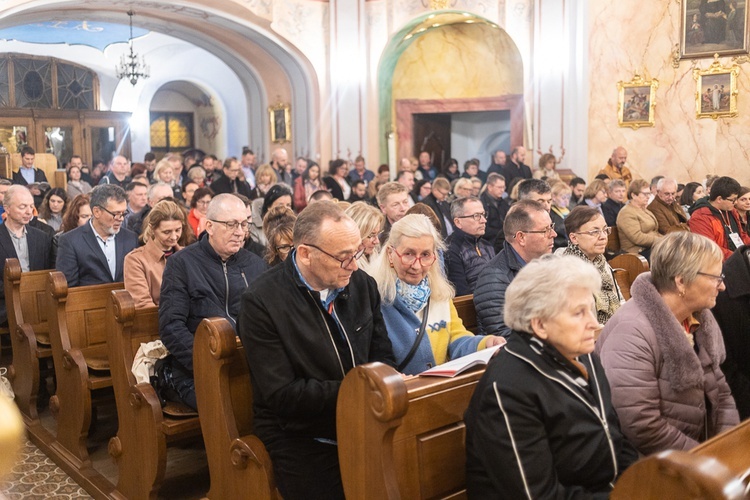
x=466 y=257
x=489 y=292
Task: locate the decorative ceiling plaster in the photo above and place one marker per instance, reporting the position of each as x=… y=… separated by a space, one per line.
x=98 y=35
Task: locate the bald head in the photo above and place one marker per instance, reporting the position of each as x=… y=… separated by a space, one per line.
x=19 y=207
x=158 y=192
x=280 y=157
x=619 y=157
x=226 y=203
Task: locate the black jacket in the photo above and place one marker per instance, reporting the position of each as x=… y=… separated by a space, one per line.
x=496 y=211
x=610 y=209
x=561 y=240
x=225 y=185
x=443 y=212
x=296 y=353
x=465 y=259
x=513 y=170
x=40 y=256
x=533 y=432
x=489 y=292
x=732 y=312
x=194 y=286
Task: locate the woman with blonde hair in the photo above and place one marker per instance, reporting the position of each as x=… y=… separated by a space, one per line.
x=370 y=221
x=559 y=211
x=595 y=194
x=144 y=266
x=462 y=188
x=547 y=164
x=278 y=226
x=417 y=297
x=265 y=177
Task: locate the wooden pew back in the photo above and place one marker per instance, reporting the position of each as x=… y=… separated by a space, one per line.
x=402 y=438
x=24 y=297
x=467 y=312
x=716 y=469
x=627 y=267
x=144 y=432
x=238 y=462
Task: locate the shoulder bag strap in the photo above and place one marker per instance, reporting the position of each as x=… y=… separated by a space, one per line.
x=414 y=348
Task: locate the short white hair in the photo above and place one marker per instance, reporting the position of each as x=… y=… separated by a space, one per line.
x=540 y=289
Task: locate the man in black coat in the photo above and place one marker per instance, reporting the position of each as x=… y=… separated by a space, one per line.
x=304 y=325
x=515 y=167
x=436 y=200
x=94 y=253
x=203 y=280
x=32 y=247
x=28 y=175
x=496 y=208
x=229 y=182
x=468 y=252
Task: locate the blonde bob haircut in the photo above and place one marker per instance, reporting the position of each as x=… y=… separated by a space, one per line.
x=681 y=253
x=540 y=289
x=368 y=218
x=165 y=210
x=164 y=163
x=410 y=226
x=266 y=169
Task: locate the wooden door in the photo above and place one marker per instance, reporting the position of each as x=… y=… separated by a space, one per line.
x=432 y=133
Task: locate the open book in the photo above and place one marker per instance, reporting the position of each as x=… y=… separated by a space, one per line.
x=460 y=365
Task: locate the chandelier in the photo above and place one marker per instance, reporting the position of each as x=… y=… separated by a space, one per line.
x=132 y=67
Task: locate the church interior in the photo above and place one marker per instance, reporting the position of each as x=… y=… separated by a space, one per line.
x=380 y=79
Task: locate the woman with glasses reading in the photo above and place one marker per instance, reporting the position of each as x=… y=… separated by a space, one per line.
x=588 y=234
x=636 y=225
x=371 y=222
x=417 y=306
x=662 y=350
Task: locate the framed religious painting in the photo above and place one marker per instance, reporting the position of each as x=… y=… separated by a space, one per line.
x=636 y=103
x=716 y=90
x=713 y=27
x=279 y=116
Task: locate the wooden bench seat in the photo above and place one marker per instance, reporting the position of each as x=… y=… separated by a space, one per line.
x=467 y=312
x=402 y=438
x=627 y=267
x=78 y=333
x=238 y=462
x=144 y=432
x=716 y=469
x=27 y=322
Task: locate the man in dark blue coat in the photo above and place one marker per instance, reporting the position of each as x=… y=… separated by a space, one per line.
x=467 y=251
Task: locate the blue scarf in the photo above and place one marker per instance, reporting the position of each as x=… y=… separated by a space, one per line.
x=413 y=297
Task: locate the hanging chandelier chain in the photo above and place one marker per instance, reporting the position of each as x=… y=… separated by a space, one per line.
x=130 y=67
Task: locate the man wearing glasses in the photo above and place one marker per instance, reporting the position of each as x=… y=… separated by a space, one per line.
x=467 y=251
x=716 y=218
x=529 y=234
x=304 y=325
x=665 y=207
x=94 y=253
x=204 y=280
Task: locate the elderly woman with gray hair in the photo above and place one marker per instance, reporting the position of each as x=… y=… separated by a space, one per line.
x=417 y=305
x=540 y=423
x=662 y=350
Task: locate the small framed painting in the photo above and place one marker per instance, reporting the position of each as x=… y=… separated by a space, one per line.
x=636 y=103
x=716 y=91
x=279 y=116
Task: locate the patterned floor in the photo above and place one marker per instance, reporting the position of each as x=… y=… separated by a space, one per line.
x=35 y=477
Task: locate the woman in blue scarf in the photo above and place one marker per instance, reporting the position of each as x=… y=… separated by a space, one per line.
x=417 y=297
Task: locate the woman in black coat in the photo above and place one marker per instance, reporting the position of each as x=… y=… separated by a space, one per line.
x=541 y=423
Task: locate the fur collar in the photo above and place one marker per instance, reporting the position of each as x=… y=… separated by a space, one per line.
x=682 y=366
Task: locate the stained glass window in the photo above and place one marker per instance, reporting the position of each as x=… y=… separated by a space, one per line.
x=32 y=83
x=75 y=87
x=171 y=131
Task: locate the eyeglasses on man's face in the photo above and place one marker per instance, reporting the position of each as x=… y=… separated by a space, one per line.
x=345 y=263
x=232 y=224
x=605 y=231
x=477 y=217
x=116 y=215
x=409 y=258
x=547 y=231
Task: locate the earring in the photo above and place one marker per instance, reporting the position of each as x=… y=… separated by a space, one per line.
x=390 y=264
x=681 y=294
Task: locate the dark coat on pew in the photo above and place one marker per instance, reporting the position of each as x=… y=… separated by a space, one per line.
x=489 y=292
x=732 y=312
x=532 y=431
x=40 y=256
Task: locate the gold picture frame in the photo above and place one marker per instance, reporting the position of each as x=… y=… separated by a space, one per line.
x=635 y=106
x=279 y=116
x=708 y=28
x=716 y=90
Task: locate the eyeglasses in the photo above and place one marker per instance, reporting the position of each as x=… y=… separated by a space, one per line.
x=232 y=224
x=284 y=248
x=547 y=231
x=719 y=279
x=605 y=231
x=116 y=215
x=408 y=259
x=375 y=235
x=477 y=217
x=203 y=202
x=345 y=263
x=731 y=200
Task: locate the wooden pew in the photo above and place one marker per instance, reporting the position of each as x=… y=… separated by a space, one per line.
x=467 y=312
x=716 y=469
x=78 y=334
x=238 y=462
x=402 y=438
x=627 y=267
x=144 y=432
x=27 y=322
x=613 y=241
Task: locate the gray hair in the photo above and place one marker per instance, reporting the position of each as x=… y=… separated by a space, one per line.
x=617 y=183
x=101 y=195
x=12 y=192
x=494 y=177
x=528 y=186
x=458 y=205
x=310 y=220
x=159 y=185
x=539 y=291
x=222 y=202
x=681 y=253
x=665 y=180
x=410 y=226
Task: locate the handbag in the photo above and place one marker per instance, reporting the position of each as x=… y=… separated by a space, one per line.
x=414 y=348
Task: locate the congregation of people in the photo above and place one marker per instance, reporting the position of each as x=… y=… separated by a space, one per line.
x=320 y=270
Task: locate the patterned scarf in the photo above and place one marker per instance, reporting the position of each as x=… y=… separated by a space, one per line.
x=608 y=299
x=413 y=297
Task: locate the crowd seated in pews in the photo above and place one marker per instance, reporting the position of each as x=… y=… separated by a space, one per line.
x=314 y=320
